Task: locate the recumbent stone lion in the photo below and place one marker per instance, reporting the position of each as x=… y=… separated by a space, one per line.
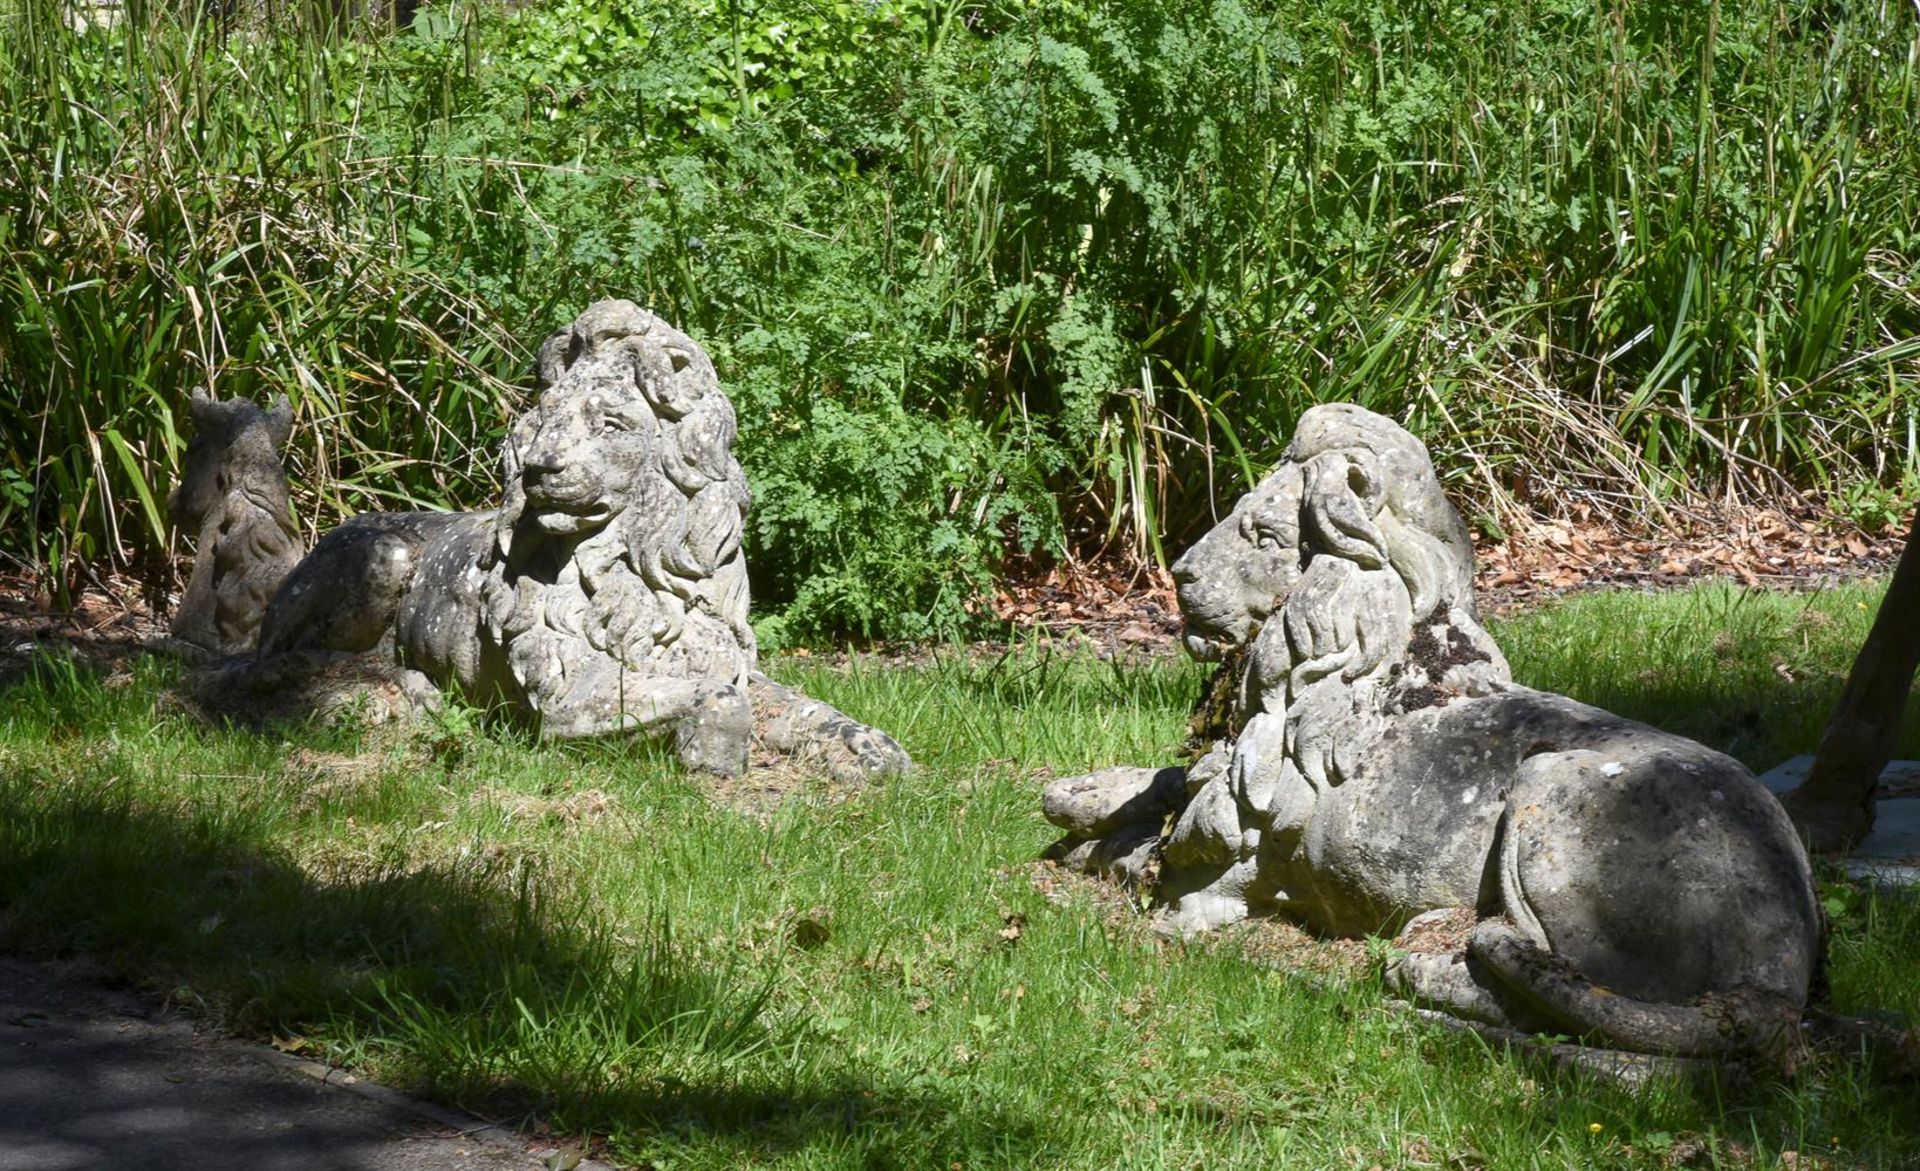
x=1597 y=877
x=607 y=593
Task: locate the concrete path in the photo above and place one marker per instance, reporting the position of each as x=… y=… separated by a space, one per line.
x=1890 y=855
x=92 y=1079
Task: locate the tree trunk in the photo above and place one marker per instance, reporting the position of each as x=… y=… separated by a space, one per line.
x=1833 y=807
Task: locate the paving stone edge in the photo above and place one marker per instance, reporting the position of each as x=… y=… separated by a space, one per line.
x=467 y=1126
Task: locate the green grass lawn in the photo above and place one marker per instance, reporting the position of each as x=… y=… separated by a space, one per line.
x=582 y=934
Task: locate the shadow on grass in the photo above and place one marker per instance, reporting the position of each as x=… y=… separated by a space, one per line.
x=463 y=981
x=1751 y=673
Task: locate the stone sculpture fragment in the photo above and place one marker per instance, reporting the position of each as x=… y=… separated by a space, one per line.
x=232 y=497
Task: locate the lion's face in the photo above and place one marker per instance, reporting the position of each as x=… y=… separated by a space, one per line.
x=587 y=451
x=236 y=446
x=1239 y=573
x=619 y=532
x=596 y=444
x=1352 y=485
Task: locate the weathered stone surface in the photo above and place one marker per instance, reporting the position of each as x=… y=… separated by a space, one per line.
x=1099 y=803
x=1631 y=885
x=232 y=497
x=607 y=593
x=298 y=686
x=819 y=734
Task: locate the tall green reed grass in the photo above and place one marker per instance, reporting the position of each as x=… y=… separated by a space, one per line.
x=184 y=209
x=1625 y=252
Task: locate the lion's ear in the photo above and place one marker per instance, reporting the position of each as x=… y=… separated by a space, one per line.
x=556 y=354
x=514 y=497
x=1338 y=512
x=507 y=521
x=279 y=418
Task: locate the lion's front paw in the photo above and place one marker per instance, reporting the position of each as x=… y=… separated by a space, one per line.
x=820 y=735
x=866 y=754
x=714 y=737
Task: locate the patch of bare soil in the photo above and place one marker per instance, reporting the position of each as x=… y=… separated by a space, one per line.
x=1770 y=548
x=103 y=632
x=1117 y=605
x=1118 y=905
x=569 y=809
x=1439 y=932
x=771 y=781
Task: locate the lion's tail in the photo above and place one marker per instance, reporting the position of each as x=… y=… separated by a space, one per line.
x=1550 y=988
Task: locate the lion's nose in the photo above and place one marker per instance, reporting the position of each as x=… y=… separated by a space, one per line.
x=1186 y=569
x=542 y=461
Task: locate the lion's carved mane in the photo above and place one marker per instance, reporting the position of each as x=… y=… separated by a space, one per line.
x=617 y=545
x=670 y=556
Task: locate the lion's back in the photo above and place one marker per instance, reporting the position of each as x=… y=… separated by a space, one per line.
x=437 y=629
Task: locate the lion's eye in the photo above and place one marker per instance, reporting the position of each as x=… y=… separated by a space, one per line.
x=614 y=423
x=1266 y=535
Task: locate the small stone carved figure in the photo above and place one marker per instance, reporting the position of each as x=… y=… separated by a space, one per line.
x=1555 y=867
x=233 y=497
x=607 y=593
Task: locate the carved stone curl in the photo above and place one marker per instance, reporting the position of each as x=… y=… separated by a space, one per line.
x=1556 y=868
x=607 y=593
x=232 y=497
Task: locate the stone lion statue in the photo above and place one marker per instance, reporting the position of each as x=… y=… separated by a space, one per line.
x=607 y=593
x=1556 y=868
x=232 y=497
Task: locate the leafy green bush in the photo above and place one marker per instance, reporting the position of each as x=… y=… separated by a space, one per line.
x=712 y=61
x=977 y=274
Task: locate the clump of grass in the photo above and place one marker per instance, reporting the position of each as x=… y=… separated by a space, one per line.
x=184 y=210
x=1753 y=673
